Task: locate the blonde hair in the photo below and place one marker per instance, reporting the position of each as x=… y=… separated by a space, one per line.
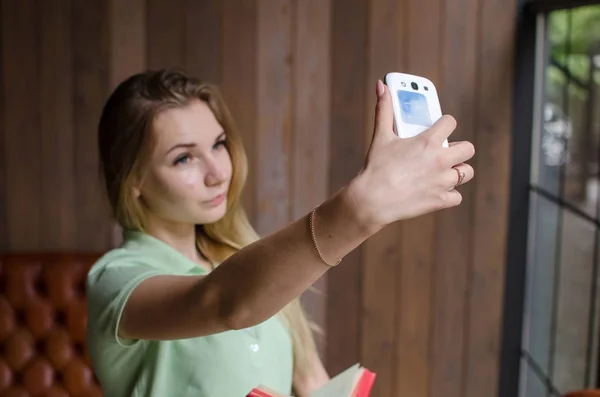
x=124 y=138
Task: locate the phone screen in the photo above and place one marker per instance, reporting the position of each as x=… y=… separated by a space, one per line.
x=414 y=109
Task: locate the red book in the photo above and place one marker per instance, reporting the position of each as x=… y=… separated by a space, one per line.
x=355 y=381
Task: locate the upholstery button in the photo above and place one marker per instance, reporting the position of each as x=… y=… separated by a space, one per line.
x=38 y=376
x=20 y=283
x=18 y=349
x=40 y=316
x=77 y=377
x=78 y=347
x=60 y=281
x=5 y=375
x=41 y=288
x=7 y=319
x=58 y=348
x=59 y=318
x=76 y=320
x=86 y=356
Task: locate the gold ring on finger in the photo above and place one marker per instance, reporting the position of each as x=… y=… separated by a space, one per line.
x=461 y=176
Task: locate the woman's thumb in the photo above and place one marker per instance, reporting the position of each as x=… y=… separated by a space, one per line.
x=384 y=114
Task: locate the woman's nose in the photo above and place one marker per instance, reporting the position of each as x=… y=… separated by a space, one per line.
x=215 y=173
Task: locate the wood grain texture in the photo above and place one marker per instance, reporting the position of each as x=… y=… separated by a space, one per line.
x=422 y=43
x=310 y=147
x=349 y=53
x=203 y=39
x=4 y=243
x=90 y=51
x=56 y=126
x=274 y=123
x=20 y=57
x=414 y=290
x=239 y=83
x=493 y=126
x=452 y=262
x=166 y=41
x=128 y=39
x=127 y=48
x=382 y=253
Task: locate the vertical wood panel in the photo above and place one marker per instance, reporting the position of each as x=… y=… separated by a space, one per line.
x=21 y=124
x=349 y=53
x=454 y=226
x=4 y=243
x=59 y=230
x=493 y=125
x=90 y=41
x=127 y=39
x=273 y=141
x=203 y=39
x=382 y=253
x=414 y=308
x=239 y=81
x=422 y=52
x=310 y=148
x=127 y=56
x=166 y=43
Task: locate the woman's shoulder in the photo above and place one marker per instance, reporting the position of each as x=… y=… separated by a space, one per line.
x=119 y=265
x=121 y=257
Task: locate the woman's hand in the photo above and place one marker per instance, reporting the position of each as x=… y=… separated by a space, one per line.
x=405 y=178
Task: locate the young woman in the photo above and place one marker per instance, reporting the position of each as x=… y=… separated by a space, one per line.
x=194 y=303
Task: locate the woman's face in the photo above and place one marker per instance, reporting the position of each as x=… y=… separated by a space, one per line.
x=189 y=170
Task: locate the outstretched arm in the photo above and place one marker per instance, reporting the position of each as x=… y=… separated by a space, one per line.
x=401 y=179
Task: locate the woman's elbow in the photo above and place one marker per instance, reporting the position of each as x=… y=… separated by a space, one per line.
x=235 y=314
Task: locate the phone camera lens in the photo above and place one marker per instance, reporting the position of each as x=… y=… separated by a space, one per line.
x=414 y=86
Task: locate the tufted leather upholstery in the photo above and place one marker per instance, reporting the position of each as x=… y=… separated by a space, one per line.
x=583 y=393
x=42 y=326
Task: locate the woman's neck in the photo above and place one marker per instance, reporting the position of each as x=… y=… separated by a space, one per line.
x=180 y=236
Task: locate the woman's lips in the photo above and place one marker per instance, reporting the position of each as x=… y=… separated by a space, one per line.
x=217 y=200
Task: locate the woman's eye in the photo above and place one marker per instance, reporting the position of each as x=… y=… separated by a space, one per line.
x=219 y=144
x=183 y=159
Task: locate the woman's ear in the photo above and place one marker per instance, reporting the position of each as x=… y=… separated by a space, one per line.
x=135 y=190
x=136 y=186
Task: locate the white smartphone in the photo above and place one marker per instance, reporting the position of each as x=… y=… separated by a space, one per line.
x=416 y=104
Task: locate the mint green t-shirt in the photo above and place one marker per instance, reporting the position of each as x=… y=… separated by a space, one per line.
x=228 y=364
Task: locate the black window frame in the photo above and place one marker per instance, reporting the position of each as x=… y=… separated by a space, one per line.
x=521 y=152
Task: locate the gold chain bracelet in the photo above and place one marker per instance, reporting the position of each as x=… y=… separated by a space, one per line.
x=311 y=224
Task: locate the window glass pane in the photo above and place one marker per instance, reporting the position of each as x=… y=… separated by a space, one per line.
x=561 y=335
x=571 y=341
x=543 y=234
x=568 y=148
x=555 y=126
x=533 y=384
x=594 y=344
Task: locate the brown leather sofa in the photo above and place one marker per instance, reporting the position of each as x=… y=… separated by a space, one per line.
x=42 y=326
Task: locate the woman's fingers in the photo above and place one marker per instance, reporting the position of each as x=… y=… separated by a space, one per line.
x=458 y=175
x=459 y=152
x=440 y=130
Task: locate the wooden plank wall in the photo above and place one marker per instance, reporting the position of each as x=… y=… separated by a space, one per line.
x=420 y=303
